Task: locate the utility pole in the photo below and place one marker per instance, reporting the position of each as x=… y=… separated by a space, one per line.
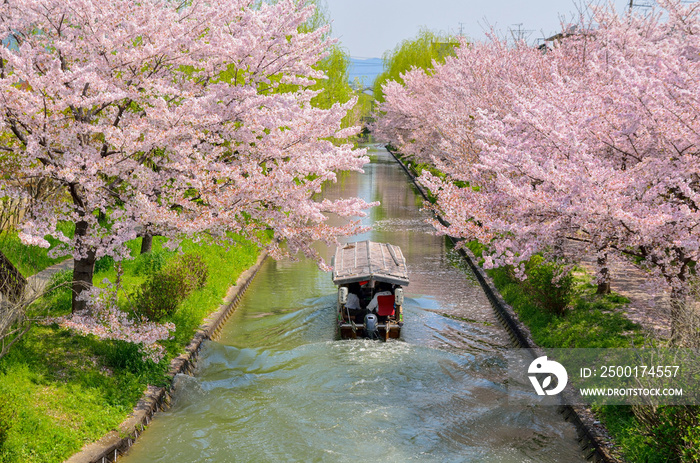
x=521 y=34
x=461 y=29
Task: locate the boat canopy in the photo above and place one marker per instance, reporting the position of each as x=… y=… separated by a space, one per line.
x=367 y=260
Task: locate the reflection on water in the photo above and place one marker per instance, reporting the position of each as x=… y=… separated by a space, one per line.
x=278 y=386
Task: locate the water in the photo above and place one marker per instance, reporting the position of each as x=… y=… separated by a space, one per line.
x=277 y=386
x=365 y=69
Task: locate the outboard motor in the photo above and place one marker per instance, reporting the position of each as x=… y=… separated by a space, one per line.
x=371 y=325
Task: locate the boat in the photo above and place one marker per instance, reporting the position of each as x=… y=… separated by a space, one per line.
x=370 y=277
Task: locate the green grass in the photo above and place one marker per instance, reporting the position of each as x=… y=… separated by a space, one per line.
x=59 y=391
x=592 y=321
x=65 y=391
x=623 y=425
x=31 y=259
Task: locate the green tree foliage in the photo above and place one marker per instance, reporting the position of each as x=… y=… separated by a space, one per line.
x=336 y=65
x=419 y=52
x=336 y=88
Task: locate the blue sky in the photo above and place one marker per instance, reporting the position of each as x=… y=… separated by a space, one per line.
x=369 y=27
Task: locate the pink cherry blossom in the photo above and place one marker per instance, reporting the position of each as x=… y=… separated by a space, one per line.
x=174 y=118
x=104 y=319
x=595 y=140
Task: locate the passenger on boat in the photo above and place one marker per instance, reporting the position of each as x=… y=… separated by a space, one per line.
x=353 y=305
x=383 y=290
x=353 y=302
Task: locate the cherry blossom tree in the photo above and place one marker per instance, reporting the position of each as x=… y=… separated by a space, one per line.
x=436 y=118
x=607 y=147
x=595 y=140
x=178 y=118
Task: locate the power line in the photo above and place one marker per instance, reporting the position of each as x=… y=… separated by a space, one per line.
x=640 y=5
x=521 y=34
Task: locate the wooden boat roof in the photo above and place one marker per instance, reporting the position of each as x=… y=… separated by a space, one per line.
x=368 y=260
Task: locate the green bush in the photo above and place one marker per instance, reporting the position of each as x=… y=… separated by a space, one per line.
x=550 y=295
x=192 y=269
x=159 y=296
x=691 y=441
x=104 y=264
x=674 y=431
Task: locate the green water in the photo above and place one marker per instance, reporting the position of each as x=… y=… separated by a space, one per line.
x=278 y=387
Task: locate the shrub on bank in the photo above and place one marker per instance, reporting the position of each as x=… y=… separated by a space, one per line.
x=159 y=296
x=163 y=291
x=550 y=285
x=673 y=430
x=193 y=271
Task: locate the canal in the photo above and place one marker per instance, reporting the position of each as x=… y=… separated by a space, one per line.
x=278 y=386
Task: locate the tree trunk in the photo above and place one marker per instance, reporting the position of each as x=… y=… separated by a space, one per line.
x=83 y=269
x=146 y=243
x=679 y=328
x=684 y=322
x=603 y=274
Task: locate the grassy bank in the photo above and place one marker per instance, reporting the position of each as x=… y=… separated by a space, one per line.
x=591 y=321
x=59 y=391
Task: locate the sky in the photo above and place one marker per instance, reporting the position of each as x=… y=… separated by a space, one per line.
x=367 y=28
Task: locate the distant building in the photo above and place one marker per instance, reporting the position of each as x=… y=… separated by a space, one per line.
x=550 y=42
